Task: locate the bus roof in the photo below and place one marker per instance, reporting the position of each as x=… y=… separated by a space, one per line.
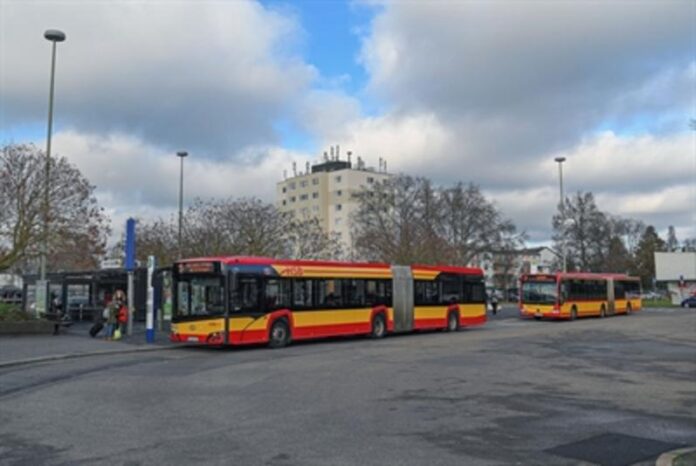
x=269 y=261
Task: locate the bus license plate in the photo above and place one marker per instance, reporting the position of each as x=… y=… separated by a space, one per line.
x=192 y=339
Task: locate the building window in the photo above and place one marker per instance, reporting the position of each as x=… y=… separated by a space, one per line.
x=315 y=181
x=305 y=211
x=370 y=180
x=338 y=178
x=315 y=208
x=285 y=189
x=337 y=221
x=339 y=193
x=292 y=199
x=292 y=185
x=304 y=197
x=339 y=207
x=315 y=195
x=284 y=202
x=303 y=184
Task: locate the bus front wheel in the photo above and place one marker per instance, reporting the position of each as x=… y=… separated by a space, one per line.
x=279 y=335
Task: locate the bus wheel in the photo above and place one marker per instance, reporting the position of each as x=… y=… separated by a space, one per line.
x=628 y=309
x=279 y=335
x=379 y=326
x=452 y=322
x=573 y=313
x=603 y=311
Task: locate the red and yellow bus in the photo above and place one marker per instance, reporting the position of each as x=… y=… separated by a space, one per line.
x=252 y=300
x=572 y=295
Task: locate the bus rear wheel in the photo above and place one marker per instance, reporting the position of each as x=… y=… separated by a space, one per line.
x=379 y=326
x=452 y=322
x=279 y=335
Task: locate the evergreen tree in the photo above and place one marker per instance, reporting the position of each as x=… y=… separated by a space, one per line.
x=644 y=265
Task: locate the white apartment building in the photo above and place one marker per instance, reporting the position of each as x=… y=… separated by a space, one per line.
x=325 y=192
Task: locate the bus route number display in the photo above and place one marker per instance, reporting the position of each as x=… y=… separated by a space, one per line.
x=197 y=267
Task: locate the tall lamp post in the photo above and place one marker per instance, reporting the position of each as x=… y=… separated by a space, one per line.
x=54 y=36
x=560 y=161
x=181 y=155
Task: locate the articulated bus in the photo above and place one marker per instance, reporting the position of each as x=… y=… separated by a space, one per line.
x=572 y=295
x=252 y=300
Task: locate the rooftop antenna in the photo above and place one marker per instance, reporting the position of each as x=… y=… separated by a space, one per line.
x=294 y=169
x=385 y=166
x=332 y=152
x=380 y=164
x=307 y=167
x=359 y=163
x=349 y=154
x=338 y=151
x=326 y=156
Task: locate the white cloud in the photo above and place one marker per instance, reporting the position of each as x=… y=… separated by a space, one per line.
x=210 y=76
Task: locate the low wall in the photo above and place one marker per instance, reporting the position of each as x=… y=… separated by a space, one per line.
x=31 y=327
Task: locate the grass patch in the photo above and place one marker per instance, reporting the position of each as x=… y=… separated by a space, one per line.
x=13 y=313
x=664 y=302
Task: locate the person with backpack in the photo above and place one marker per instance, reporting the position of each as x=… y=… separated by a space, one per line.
x=494 y=303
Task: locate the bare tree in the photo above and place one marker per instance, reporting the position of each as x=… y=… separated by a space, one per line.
x=246 y=226
x=78 y=226
x=406 y=220
x=398 y=222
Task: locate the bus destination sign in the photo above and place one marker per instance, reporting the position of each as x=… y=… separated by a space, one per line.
x=197 y=267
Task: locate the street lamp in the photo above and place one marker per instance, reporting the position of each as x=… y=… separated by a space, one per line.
x=560 y=161
x=181 y=155
x=54 y=36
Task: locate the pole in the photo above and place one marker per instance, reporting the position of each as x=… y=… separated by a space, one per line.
x=131 y=302
x=181 y=155
x=47 y=168
x=560 y=161
x=150 y=317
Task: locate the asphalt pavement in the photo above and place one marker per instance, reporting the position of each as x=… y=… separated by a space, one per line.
x=613 y=392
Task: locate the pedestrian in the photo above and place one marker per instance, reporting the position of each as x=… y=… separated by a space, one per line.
x=494 y=303
x=110 y=315
x=122 y=311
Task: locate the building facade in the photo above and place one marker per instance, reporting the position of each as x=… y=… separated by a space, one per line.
x=326 y=192
x=676 y=270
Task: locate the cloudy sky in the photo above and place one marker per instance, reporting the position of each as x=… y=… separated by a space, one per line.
x=482 y=91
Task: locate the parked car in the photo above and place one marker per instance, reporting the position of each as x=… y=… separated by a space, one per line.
x=689 y=302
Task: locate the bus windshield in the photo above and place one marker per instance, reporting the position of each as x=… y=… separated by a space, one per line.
x=200 y=296
x=539 y=292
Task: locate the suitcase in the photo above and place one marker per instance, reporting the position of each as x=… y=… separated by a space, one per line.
x=96 y=328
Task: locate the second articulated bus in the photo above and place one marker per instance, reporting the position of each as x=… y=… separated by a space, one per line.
x=251 y=300
x=572 y=295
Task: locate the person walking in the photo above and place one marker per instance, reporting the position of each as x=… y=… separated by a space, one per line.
x=494 y=303
x=110 y=315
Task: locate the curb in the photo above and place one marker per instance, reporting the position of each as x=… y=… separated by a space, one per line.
x=59 y=357
x=667 y=459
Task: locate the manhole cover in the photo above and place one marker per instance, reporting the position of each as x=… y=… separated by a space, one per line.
x=613 y=449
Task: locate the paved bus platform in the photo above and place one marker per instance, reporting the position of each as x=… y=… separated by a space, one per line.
x=75 y=341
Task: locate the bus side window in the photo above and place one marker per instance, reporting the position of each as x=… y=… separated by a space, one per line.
x=277 y=293
x=302 y=293
x=247 y=294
